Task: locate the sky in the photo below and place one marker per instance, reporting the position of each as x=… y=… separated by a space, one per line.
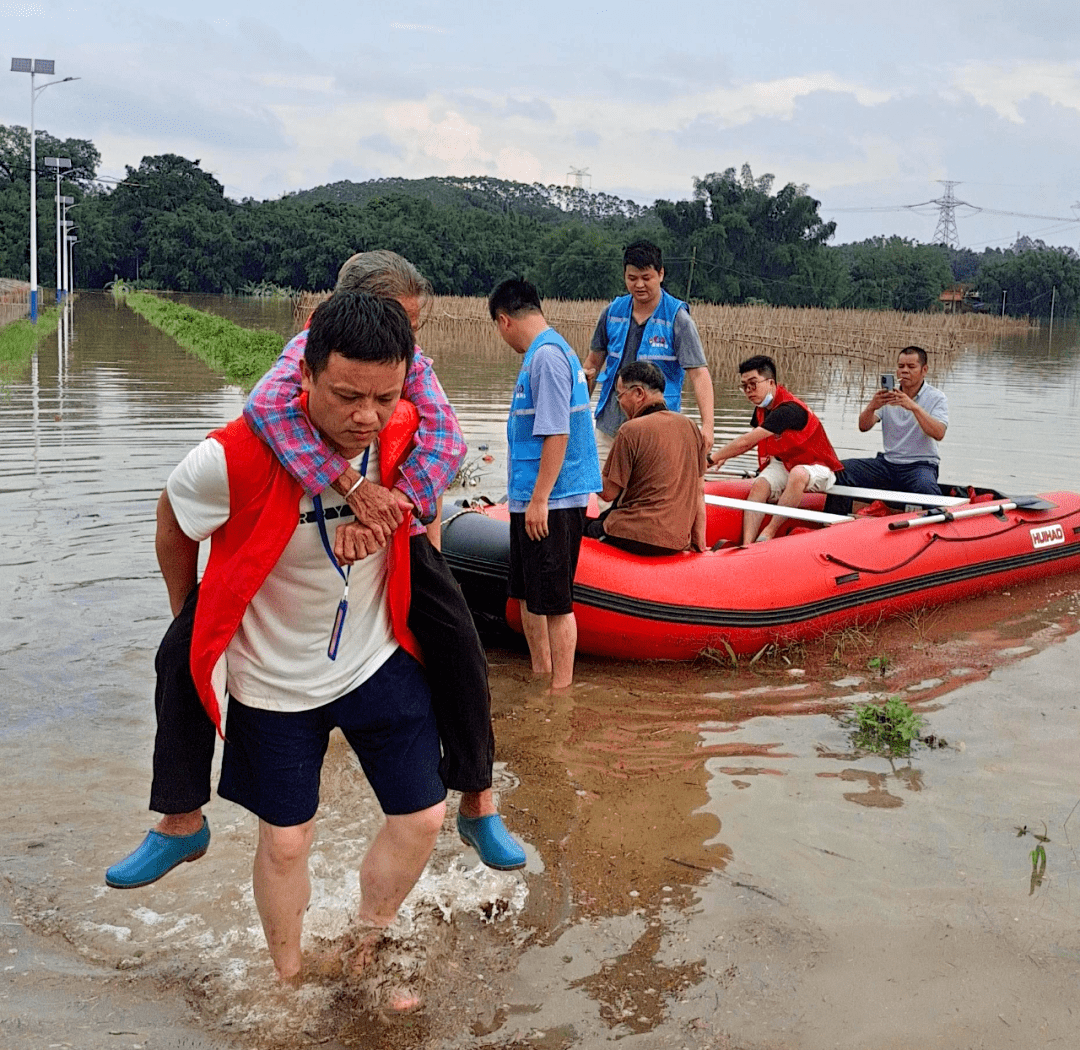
x=869 y=106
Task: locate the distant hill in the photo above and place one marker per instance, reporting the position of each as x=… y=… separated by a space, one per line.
x=552 y=204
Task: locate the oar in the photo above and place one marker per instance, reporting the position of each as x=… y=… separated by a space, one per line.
x=920 y=499
x=817 y=516
x=1016 y=502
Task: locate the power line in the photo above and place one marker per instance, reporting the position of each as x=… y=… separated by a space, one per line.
x=945 y=232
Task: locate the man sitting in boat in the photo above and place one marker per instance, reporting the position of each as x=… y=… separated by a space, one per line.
x=794 y=453
x=914 y=419
x=653 y=473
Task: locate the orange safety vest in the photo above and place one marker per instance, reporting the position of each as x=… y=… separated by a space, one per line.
x=795 y=447
x=263 y=514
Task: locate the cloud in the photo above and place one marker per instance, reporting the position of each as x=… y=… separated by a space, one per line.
x=382 y=144
x=532 y=109
x=412 y=27
x=1003 y=86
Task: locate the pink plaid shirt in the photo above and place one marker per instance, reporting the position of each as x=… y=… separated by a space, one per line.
x=273 y=411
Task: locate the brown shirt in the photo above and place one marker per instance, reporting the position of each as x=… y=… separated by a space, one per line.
x=658 y=460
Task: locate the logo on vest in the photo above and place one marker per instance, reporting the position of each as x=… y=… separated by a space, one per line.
x=658 y=341
x=1047 y=536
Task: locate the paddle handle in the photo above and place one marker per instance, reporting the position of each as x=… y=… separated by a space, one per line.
x=952 y=515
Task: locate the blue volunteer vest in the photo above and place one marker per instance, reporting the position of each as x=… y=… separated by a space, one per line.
x=657 y=346
x=580 y=472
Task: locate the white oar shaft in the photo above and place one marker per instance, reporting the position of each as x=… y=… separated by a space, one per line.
x=817 y=516
x=888 y=496
x=956 y=515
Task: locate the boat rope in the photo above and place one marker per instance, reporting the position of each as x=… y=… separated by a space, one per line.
x=934 y=536
x=892 y=568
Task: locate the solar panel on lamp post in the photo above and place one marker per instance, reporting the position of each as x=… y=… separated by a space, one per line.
x=45 y=67
x=59 y=163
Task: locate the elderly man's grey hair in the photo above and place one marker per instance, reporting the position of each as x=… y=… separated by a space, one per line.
x=383 y=273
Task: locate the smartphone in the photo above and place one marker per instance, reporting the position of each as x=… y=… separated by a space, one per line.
x=888 y=382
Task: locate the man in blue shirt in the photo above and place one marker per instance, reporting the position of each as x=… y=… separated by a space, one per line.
x=552 y=471
x=914 y=418
x=647 y=324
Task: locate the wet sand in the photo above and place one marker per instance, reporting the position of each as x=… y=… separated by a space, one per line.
x=711 y=864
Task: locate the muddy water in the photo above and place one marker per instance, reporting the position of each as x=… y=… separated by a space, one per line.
x=711 y=863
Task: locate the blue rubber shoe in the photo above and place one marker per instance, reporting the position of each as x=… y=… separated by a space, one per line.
x=497 y=848
x=157 y=856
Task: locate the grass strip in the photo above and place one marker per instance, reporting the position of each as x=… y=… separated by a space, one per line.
x=19 y=339
x=241 y=354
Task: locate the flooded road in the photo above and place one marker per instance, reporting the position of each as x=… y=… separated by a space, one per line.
x=711 y=863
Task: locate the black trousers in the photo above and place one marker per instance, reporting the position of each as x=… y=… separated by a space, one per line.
x=457 y=674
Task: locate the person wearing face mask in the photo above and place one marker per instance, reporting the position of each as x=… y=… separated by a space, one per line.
x=794 y=452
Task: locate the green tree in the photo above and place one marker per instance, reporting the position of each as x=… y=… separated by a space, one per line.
x=748 y=243
x=1028 y=280
x=576 y=261
x=15 y=195
x=893 y=273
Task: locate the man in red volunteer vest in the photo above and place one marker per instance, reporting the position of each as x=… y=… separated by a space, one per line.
x=794 y=453
x=301 y=644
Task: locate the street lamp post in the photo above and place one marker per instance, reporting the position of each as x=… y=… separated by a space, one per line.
x=67 y=226
x=68 y=204
x=71 y=241
x=46 y=67
x=59 y=163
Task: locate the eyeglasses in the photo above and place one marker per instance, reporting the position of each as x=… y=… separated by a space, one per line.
x=751 y=385
x=620 y=394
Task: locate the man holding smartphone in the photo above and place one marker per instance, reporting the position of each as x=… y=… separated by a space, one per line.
x=914 y=417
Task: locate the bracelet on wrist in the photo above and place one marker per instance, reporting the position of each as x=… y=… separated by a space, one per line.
x=359 y=481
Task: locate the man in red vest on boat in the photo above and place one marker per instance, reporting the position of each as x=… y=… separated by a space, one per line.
x=298 y=645
x=794 y=453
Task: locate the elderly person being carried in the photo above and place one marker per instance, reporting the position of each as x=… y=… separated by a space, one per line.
x=653 y=472
x=794 y=453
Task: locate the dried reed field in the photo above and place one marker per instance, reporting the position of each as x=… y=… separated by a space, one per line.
x=14 y=300
x=854 y=341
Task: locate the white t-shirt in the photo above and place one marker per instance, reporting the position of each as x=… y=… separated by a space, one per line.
x=277 y=660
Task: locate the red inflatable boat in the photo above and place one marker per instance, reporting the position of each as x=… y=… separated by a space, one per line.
x=820 y=573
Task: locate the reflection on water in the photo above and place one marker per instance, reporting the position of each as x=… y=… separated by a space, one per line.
x=107 y=407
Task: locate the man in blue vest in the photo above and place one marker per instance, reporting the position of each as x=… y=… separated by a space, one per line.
x=647 y=324
x=552 y=471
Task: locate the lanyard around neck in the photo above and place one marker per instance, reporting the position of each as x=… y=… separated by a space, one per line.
x=321 y=519
x=343 y=605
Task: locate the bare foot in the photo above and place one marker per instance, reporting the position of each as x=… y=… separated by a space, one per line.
x=401 y=1001
x=358 y=957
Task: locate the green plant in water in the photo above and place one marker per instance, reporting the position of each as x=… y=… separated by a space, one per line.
x=879 y=664
x=242 y=354
x=889 y=728
x=19 y=339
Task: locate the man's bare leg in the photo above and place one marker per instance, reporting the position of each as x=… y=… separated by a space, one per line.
x=394 y=862
x=792 y=496
x=536 y=634
x=477 y=803
x=562 y=637
x=282 y=890
x=752 y=519
x=180 y=823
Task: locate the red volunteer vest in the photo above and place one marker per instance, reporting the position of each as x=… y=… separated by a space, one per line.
x=795 y=447
x=264 y=512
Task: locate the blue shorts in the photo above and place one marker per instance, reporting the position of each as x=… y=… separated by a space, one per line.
x=273 y=759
